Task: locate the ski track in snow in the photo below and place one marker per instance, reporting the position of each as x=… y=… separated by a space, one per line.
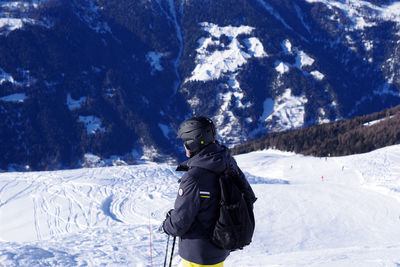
x=105 y=212
x=339 y=211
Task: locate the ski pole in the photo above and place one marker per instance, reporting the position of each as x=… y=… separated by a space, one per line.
x=172 y=252
x=151 y=252
x=166 y=253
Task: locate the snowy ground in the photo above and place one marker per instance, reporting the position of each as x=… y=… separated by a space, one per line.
x=339 y=211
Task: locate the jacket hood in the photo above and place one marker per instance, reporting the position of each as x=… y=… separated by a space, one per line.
x=213 y=157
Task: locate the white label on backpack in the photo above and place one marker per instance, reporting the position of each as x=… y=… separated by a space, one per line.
x=180 y=192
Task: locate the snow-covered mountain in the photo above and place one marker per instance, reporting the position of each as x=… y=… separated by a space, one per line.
x=92 y=82
x=336 y=211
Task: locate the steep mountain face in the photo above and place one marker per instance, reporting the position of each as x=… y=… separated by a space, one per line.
x=89 y=82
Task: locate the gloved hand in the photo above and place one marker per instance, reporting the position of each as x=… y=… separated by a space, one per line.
x=161 y=228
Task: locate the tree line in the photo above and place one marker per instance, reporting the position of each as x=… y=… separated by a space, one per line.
x=339 y=138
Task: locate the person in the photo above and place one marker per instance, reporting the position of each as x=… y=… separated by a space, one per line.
x=196 y=207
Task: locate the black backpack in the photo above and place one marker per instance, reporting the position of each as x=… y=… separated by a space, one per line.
x=235 y=226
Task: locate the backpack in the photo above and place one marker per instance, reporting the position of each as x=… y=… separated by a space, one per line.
x=235 y=226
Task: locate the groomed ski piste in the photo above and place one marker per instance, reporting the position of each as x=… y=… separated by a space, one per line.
x=334 y=211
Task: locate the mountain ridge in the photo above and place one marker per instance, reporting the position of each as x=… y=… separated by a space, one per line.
x=115 y=78
x=340 y=138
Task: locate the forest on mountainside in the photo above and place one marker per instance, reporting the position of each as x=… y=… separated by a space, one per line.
x=345 y=137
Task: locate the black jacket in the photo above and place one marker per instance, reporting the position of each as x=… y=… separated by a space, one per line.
x=196 y=207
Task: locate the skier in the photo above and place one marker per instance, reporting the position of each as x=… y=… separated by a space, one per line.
x=196 y=208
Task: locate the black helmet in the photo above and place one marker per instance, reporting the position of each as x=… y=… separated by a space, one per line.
x=196 y=133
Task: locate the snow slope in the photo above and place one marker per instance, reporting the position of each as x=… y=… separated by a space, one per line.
x=230 y=57
x=15 y=15
x=364 y=13
x=339 y=211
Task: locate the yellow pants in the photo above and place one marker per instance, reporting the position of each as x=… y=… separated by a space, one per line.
x=186 y=263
